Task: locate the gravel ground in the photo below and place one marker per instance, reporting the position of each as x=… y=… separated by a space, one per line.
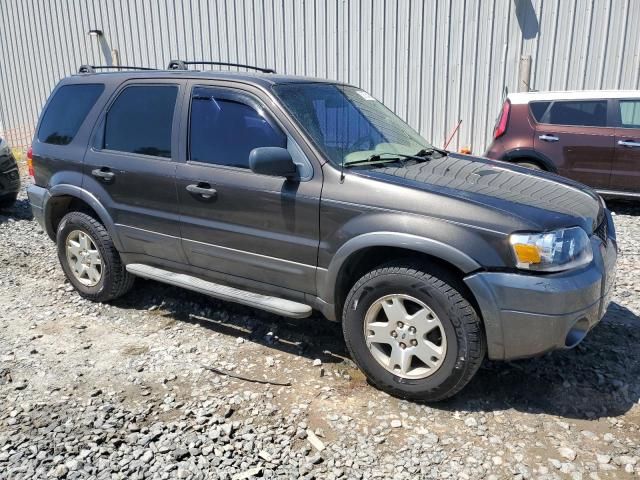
x=125 y=390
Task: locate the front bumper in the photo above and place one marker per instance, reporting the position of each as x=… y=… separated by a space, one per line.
x=528 y=315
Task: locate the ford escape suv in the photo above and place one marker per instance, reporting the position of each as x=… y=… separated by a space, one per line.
x=589 y=136
x=293 y=194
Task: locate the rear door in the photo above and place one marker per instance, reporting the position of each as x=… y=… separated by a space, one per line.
x=258 y=227
x=625 y=173
x=130 y=168
x=576 y=136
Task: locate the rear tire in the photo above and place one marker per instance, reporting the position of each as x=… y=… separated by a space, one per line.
x=435 y=318
x=90 y=260
x=531 y=165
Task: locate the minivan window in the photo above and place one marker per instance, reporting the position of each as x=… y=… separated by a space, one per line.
x=630 y=113
x=140 y=120
x=223 y=131
x=588 y=113
x=346 y=123
x=538 y=109
x=66 y=111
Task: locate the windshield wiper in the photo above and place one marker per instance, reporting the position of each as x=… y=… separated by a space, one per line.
x=428 y=152
x=377 y=158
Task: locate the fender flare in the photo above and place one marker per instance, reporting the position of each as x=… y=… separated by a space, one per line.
x=510 y=155
x=81 y=194
x=405 y=241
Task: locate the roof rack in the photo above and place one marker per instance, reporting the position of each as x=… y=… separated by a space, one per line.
x=93 y=68
x=182 y=65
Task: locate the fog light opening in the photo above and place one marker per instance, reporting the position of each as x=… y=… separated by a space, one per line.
x=577 y=333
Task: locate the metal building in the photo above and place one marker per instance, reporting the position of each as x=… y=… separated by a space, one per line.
x=433 y=61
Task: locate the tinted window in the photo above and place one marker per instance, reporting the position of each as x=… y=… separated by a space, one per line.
x=140 y=120
x=66 y=111
x=224 y=131
x=630 y=113
x=583 y=113
x=538 y=109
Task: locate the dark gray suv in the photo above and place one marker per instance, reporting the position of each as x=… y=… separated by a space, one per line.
x=293 y=194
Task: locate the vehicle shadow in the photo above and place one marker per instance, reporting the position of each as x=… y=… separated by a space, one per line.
x=624 y=207
x=598 y=378
x=20 y=211
x=312 y=337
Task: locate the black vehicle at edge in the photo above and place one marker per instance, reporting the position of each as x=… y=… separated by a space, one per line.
x=9 y=176
x=293 y=194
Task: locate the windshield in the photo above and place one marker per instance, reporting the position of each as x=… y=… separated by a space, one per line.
x=347 y=123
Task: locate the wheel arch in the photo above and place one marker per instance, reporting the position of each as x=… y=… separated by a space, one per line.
x=66 y=198
x=530 y=155
x=365 y=252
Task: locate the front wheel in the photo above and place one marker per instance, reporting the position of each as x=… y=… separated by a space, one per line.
x=413 y=333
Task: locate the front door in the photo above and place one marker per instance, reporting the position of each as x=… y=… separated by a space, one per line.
x=575 y=135
x=130 y=168
x=234 y=221
x=625 y=173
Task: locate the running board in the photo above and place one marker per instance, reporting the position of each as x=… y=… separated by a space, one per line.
x=276 y=305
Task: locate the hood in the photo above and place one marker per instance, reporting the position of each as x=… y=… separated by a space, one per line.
x=540 y=199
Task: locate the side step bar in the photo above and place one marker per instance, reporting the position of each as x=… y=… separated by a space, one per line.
x=276 y=305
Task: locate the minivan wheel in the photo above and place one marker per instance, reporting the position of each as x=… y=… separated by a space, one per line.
x=413 y=333
x=89 y=259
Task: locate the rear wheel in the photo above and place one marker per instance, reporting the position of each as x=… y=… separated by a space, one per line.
x=90 y=260
x=531 y=165
x=413 y=333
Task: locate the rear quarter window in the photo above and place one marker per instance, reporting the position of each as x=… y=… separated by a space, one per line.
x=538 y=109
x=66 y=111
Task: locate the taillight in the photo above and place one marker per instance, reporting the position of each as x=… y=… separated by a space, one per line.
x=501 y=126
x=32 y=173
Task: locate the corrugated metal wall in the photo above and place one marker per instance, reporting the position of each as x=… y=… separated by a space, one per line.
x=433 y=62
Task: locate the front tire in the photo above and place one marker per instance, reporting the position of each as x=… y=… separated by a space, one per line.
x=90 y=260
x=413 y=333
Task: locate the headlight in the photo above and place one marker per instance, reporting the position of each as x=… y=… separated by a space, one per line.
x=552 y=251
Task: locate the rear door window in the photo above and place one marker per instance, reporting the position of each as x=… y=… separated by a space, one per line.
x=630 y=113
x=223 y=129
x=66 y=111
x=141 y=119
x=585 y=113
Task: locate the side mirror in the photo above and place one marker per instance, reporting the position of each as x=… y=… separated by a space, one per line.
x=274 y=161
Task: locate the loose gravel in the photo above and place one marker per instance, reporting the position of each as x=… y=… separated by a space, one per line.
x=132 y=389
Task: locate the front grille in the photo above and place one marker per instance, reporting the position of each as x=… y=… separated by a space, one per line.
x=601 y=231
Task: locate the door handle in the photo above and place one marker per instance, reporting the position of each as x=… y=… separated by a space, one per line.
x=628 y=143
x=548 y=138
x=103 y=173
x=202 y=189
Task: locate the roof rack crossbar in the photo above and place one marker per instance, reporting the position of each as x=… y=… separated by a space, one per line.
x=182 y=65
x=93 y=68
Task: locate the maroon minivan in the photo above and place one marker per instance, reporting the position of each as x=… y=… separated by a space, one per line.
x=589 y=136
